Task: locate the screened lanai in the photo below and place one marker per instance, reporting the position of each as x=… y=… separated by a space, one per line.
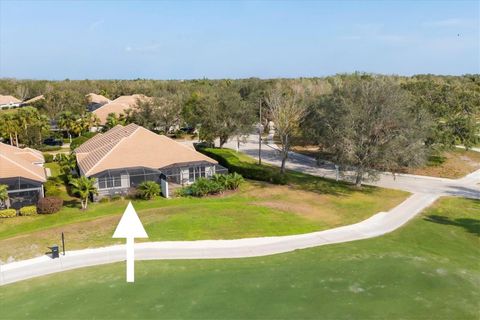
x=122 y=181
x=22 y=192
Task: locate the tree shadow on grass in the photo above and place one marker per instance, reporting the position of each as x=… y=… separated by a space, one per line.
x=72 y=203
x=469 y=224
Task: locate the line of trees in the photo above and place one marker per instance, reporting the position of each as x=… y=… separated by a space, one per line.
x=365 y=122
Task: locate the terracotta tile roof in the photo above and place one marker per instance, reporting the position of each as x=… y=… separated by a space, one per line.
x=34 y=99
x=118 y=106
x=8 y=100
x=132 y=146
x=96 y=98
x=16 y=162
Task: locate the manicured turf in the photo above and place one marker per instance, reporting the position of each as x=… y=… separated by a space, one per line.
x=427 y=270
x=258 y=209
x=306 y=204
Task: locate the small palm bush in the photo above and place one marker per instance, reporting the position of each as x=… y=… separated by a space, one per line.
x=148 y=190
x=84 y=187
x=217 y=184
x=233 y=181
x=203 y=187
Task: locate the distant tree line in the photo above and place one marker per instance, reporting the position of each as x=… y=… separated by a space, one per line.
x=363 y=122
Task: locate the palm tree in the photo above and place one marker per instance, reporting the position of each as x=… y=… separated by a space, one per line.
x=10 y=126
x=234 y=181
x=68 y=164
x=148 y=190
x=43 y=125
x=111 y=121
x=78 y=126
x=89 y=120
x=4 y=195
x=84 y=187
x=66 y=121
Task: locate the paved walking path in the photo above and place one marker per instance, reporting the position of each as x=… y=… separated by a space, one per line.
x=425 y=191
x=376 y=225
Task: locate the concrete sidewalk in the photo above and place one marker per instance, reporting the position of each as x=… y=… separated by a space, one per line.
x=376 y=225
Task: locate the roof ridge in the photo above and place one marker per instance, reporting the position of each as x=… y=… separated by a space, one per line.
x=110 y=151
x=18 y=164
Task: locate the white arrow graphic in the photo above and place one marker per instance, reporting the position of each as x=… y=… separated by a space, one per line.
x=130 y=227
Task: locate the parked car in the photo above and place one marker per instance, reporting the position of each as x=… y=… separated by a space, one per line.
x=53 y=142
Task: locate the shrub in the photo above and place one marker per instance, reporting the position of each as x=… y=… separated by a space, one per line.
x=203 y=187
x=249 y=170
x=52 y=187
x=49 y=205
x=48 y=157
x=28 y=211
x=233 y=181
x=183 y=192
x=104 y=200
x=8 y=213
x=228 y=181
x=49 y=148
x=116 y=197
x=148 y=190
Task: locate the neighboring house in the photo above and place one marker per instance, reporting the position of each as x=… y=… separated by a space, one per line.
x=29 y=102
x=126 y=156
x=95 y=101
x=7 y=102
x=118 y=106
x=22 y=171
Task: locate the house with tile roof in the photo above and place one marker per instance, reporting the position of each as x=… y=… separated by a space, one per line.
x=22 y=171
x=7 y=102
x=33 y=100
x=118 y=106
x=95 y=101
x=125 y=156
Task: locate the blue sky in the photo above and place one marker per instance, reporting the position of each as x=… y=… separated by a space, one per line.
x=184 y=40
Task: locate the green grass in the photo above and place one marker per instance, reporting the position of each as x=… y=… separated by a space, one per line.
x=307 y=204
x=426 y=270
x=258 y=209
x=54 y=168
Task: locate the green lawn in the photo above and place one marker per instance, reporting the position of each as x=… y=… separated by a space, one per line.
x=306 y=204
x=427 y=270
x=258 y=209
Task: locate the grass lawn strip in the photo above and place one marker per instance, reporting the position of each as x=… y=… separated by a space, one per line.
x=425 y=270
x=258 y=209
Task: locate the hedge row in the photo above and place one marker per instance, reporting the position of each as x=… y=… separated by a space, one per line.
x=249 y=170
x=8 y=213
